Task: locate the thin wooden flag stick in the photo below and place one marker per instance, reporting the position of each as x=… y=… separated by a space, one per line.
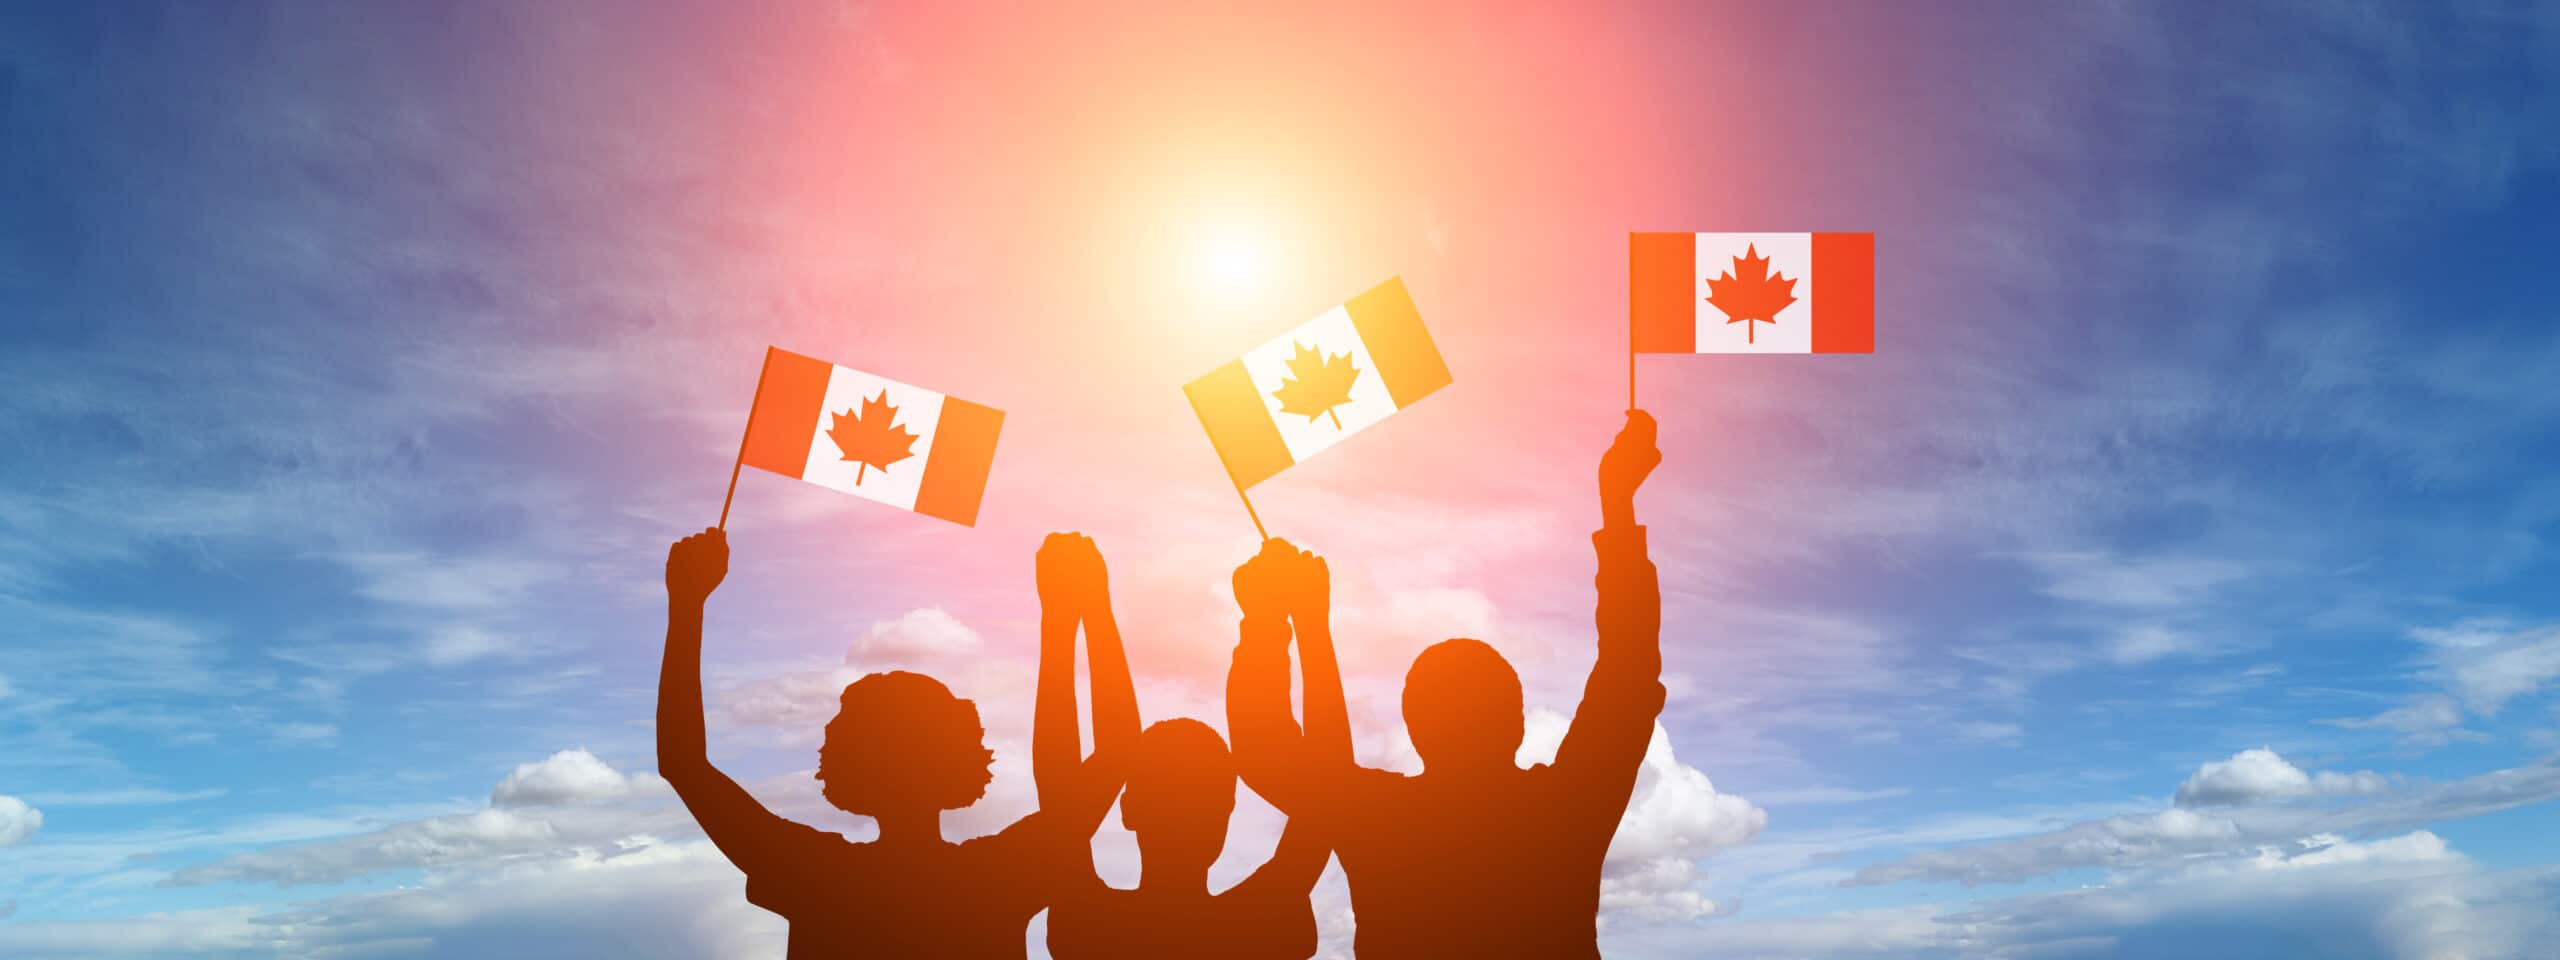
x=736 y=465
x=1249 y=511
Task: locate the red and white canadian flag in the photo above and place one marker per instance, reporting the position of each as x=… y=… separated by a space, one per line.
x=870 y=436
x=1752 y=292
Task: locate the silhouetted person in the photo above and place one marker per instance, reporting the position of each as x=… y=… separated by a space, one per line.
x=900 y=750
x=1473 y=857
x=1181 y=790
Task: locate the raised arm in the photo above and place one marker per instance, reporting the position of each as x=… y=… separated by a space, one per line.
x=1056 y=747
x=1115 y=698
x=742 y=828
x=1075 y=589
x=1310 y=588
x=1605 y=745
x=1325 y=749
x=1299 y=773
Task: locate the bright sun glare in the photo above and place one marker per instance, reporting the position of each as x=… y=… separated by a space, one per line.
x=1228 y=261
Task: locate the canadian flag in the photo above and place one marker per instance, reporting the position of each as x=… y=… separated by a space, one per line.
x=1332 y=377
x=1752 y=292
x=870 y=436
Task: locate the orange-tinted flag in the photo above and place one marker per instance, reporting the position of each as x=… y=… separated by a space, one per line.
x=1333 y=376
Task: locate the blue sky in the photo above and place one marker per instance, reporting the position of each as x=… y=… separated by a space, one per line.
x=2175 y=581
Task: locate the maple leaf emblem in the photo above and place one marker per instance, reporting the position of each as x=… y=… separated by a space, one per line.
x=872 y=437
x=1749 y=294
x=1317 y=384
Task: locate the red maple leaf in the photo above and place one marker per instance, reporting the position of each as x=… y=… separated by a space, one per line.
x=872 y=437
x=1749 y=294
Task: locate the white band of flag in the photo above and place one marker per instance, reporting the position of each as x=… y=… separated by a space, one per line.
x=871 y=436
x=1333 y=376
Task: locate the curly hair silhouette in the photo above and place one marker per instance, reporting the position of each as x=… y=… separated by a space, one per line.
x=901 y=750
x=902 y=740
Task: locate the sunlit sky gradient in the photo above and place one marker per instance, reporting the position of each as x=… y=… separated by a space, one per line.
x=2175 y=578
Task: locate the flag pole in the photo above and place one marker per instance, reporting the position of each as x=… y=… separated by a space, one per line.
x=1248 y=508
x=749 y=430
x=1631 y=325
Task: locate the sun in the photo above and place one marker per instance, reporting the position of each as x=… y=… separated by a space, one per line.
x=1229 y=260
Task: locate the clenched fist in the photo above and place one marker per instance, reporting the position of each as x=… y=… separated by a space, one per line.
x=1307 y=584
x=696 y=565
x=1629 y=460
x=1070 y=573
x=1264 y=584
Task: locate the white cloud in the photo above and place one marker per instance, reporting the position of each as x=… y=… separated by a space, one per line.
x=568 y=802
x=1825 y=795
x=2259 y=775
x=2405 y=897
x=459 y=643
x=1674 y=817
x=2149 y=642
x=636 y=898
x=1677 y=813
x=2425 y=720
x=566 y=777
x=2140 y=840
x=1987 y=731
x=922 y=634
x=1654 y=891
x=124 y=797
x=2480 y=664
x=799 y=703
x=18 y=821
x=445 y=582
x=641 y=898
x=2139 y=582
x=2489 y=662
x=2112 y=842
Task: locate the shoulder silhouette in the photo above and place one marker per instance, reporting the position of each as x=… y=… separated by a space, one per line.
x=1181 y=790
x=1474 y=856
x=901 y=750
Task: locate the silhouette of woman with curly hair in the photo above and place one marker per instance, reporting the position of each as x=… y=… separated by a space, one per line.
x=1181 y=791
x=901 y=750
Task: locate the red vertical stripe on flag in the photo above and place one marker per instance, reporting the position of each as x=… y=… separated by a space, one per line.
x=1844 y=293
x=786 y=412
x=1662 y=292
x=955 y=470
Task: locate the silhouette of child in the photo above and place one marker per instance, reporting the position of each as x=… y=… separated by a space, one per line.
x=1474 y=856
x=901 y=750
x=1181 y=791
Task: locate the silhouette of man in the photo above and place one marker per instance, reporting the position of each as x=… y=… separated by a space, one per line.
x=1473 y=857
x=1181 y=791
x=900 y=750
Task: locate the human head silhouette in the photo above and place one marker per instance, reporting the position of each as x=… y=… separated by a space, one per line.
x=901 y=743
x=1462 y=706
x=1182 y=788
